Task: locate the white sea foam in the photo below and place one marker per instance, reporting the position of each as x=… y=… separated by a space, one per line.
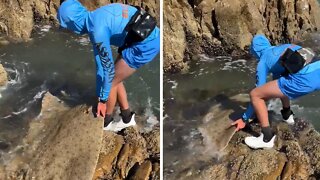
x=8 y=116
x=151 y=118
x=45 y=28
x=21 y=111
x=205 y=58
x=275 y=105
x=239 y=65
x=174 y=84
x=16 y=79
x=84 y=40
x=39 y=95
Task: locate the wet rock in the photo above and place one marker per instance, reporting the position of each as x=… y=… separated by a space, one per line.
x=155 y=174
x=309 y=141
x=3 y=145
x=298 y=165
x=3 y=76
x=61 y=143
x=112 y=144
x=177 y=21
x=19 y=17
x=123 y=158
x=143 y=171
x=2 y=172
x=153 y=141
x=153 y=7
x=262 y=164
x=138 y=147
x=3 y=41
x=205 y=26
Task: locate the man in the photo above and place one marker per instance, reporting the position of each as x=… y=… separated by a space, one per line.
x=132 y=30
x=285 y=85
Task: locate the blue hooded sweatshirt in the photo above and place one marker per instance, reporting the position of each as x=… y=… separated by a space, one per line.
x=268 y=62
x=105 y=27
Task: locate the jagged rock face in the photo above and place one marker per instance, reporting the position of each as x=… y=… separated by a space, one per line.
x=3 y=76
x=131 y=155
x=178 y=18
x=17 y=18
x=200 y=26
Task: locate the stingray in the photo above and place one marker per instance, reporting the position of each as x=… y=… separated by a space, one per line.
x=216 y=128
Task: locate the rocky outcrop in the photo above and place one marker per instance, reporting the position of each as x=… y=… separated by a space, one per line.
x=130 y=155
x=3 y=76
x=61 y=143
x=17 y=18
x=69 y=143
x=294 y=156
x=218 y=27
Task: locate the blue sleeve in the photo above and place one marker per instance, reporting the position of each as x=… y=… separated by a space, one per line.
x=104 y=63
x=261 y=79
x=99 y=71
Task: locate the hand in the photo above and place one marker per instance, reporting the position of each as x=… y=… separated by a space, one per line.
x=239 y=123
x=101 y=109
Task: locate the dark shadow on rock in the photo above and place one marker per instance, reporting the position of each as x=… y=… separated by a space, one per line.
x=249 y=129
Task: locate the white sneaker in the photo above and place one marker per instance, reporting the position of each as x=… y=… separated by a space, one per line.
x=290 y=120
x=118 y=126
x=257 y=142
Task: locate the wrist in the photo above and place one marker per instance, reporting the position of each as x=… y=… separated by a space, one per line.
x=244 y=120
x=103 y=101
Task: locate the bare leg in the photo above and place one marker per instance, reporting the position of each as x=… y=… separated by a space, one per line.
x=112 y=100
x=122 y=96
x=285 y=102
x=258 y=97
x=122 y=71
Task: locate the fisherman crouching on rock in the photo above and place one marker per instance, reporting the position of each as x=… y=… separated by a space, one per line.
x=296 y=72
x=131 y=29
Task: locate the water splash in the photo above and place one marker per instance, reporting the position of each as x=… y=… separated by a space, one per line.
x=151 y=118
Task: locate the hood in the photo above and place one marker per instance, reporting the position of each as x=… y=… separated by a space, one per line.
x=259 y=44
x=73 y=16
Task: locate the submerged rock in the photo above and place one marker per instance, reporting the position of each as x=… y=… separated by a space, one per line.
x=3 y=76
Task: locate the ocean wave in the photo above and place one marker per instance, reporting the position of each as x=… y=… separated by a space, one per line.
x=152 y=120
x=84 y=41
x=45 y=28
x=205 y=58
x=239 y=65
x=21 y=111
x=174 y=84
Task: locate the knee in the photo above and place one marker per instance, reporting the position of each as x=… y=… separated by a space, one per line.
x=254 y=94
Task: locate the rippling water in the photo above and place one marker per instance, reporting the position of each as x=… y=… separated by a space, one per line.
x=63 y=64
